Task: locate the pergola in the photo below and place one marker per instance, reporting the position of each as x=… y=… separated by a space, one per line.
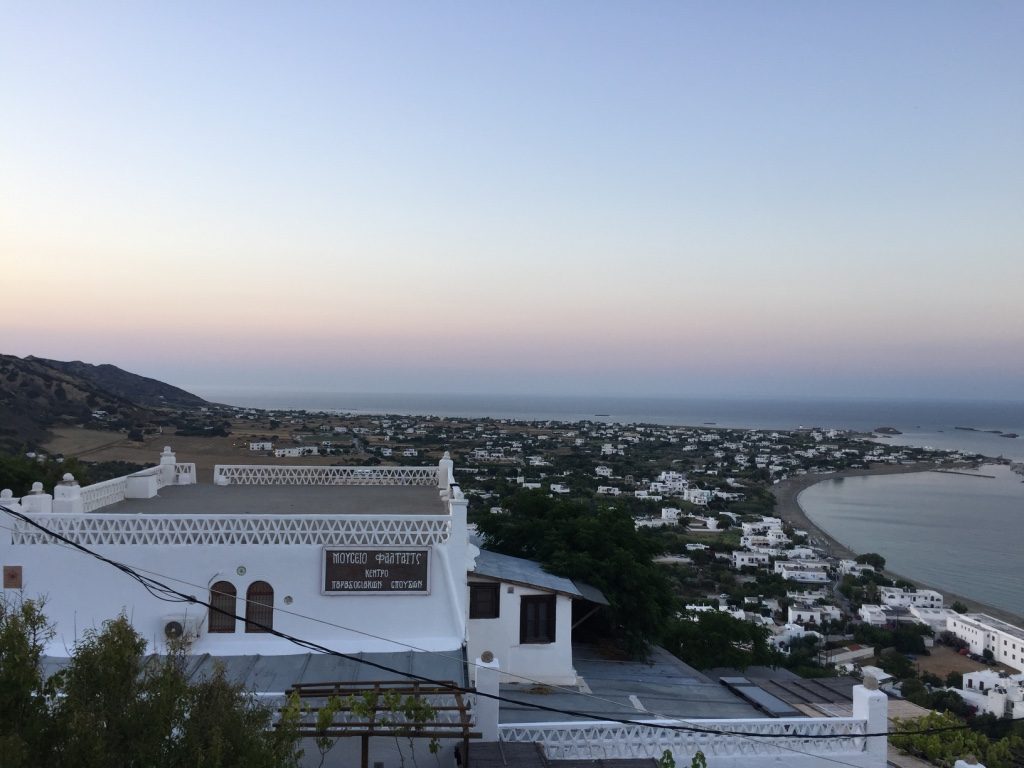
x=362 y=710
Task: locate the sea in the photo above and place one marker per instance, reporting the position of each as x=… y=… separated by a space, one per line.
x=960 y=533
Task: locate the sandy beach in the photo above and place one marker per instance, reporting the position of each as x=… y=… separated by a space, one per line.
x=788 y=508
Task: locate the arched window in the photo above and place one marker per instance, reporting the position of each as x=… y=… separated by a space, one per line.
x=222 y=614
x=259 y=607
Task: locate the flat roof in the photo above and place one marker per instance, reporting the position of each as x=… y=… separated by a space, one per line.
x=661 y=687
x=206 y=498
x=997 y=624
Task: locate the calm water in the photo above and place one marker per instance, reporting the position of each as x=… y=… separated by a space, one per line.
x=924 y=423
x=963 y=534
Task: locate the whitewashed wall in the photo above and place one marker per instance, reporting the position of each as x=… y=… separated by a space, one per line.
x=545 y=662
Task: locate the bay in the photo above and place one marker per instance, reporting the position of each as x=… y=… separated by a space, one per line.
x=950 y=531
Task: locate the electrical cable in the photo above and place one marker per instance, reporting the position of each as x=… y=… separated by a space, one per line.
x=166 y=593
x=563 y=689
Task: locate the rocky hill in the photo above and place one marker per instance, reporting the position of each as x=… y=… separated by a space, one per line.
x=37 y=394
x=117 y=381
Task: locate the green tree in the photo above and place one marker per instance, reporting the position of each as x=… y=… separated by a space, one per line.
x=716 y=639
x=948 y=746
x=873 y=559
x=111 y=708
x=600 y=547
x=896 y=664
x=24 y=694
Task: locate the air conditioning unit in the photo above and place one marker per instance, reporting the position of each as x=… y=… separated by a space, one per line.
x=182 y=626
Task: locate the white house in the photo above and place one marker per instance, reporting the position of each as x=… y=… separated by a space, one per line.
x=849 y=655
x=523 y=615
x=875 y=615
x=853 y=568
x=294 y=452
x=803 y=571
x=803 y=614
x=994 y=692
x=905 y=598
x=801 y=553
x=742 y=559
x=697 y=496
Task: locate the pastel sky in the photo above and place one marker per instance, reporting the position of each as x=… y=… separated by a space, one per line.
x=786 y=198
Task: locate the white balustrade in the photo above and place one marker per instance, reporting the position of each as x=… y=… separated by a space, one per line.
x=203 y=530
x=269 y=474
x=104 y=494
x=185 y=474
x=585 y=740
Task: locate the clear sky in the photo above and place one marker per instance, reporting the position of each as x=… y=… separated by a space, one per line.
x=785 y=198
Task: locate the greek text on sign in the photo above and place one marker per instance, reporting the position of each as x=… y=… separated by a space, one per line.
x=376 y=570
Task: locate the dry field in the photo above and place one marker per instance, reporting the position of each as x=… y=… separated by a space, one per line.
x=205 y=452
x=944 y=660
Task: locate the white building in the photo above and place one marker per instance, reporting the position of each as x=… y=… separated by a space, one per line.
x=905 y=598
x=933 y=617
x=294 y=453
x=983 y=633
x=877 y=615
x=697 y=496
x=523 y=614
x=799 y=553
x=995 y=693
x=742 y=559
x=762 y=526
x=805 y=571
x=849 y=655
x=673 y=482
x=803 y=614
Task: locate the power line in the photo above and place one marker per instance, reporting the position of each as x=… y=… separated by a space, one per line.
x=166 y=593
x=577 y=692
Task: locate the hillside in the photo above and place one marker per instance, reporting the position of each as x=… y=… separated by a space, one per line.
x=137 y=389
x=37 y=394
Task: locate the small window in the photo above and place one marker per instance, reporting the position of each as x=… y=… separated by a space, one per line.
x=483 y=601
x=259 y=607
x=222 y=613
x=537 y=619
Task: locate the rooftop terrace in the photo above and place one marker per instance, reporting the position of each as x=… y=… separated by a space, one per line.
x=286 y=499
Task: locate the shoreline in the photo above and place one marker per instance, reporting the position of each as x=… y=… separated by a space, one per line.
x=788 y=508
